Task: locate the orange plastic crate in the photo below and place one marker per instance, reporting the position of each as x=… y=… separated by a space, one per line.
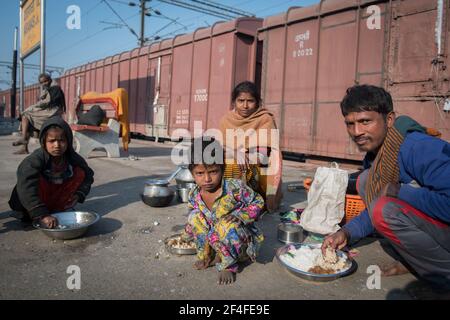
x=353 y=206
x=353 y=203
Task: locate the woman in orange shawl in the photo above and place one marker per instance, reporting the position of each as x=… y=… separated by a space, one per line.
x=251 y=141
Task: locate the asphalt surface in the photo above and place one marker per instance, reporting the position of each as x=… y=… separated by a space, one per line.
x=123 y=255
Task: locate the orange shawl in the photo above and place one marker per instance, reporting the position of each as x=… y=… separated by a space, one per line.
x=260 y=119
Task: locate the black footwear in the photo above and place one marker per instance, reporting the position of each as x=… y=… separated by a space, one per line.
x=25 y=218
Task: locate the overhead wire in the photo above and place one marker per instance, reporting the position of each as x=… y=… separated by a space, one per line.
x=198 y=9
x=121 y=19
x=274 y=6
x=89 y=36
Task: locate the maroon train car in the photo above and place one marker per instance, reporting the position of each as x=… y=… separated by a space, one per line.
x=174 y=82
x=303 y=59
x=312 y=55
x=206 y=66
x=31 y=96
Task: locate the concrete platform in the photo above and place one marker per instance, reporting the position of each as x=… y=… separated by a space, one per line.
x=123 y=257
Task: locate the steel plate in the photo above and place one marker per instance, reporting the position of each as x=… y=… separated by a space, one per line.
x=314 y=276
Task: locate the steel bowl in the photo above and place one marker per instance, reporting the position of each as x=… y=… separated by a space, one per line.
x=71 y=224
x=157 y=201
x=178 y=250
x=184 y=184
x=188 y=185
x=156 y=182
x=184 y=175
x=183 y=194
x=290 y=233
x=351 y=267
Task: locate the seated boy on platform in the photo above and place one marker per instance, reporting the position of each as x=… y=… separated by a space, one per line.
x=222 y=214
x=53 y=178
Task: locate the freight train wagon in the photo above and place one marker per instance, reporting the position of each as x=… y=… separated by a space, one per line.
x=312 y=55
x=173 y=82
x=304 y=60
x=31 y=95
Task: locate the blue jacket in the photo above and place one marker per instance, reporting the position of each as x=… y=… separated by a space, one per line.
x=425 y=160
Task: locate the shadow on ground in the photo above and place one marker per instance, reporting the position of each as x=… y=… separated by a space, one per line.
x=117 y=194
x=417 y=290
x=14 y=224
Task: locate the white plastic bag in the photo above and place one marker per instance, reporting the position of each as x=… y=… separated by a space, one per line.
x=326 y=200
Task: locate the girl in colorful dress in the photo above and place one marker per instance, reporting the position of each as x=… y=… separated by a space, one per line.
x=222 y=215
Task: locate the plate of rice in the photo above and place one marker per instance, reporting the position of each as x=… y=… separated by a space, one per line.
x=307 y=261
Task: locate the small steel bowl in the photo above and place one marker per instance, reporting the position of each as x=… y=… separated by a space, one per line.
x=290 y=233
x=188 y=185
x=184 y=184
x=178 y=250
x=71 y=224
x=183 y=194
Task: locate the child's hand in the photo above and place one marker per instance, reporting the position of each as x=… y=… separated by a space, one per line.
x=243 y=162
x=72 y=202
x=48 y=222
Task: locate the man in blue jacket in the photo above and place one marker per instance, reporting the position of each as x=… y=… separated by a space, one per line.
x=406 y=187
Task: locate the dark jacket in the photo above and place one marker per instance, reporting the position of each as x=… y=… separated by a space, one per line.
x=57 y=98
x=425 y=160
x=25 y=196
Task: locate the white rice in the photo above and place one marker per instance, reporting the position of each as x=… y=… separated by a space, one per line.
x=305 y=258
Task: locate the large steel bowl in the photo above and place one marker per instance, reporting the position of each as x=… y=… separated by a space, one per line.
x=71 y=224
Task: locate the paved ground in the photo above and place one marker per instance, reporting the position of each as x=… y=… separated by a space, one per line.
x=117 y=257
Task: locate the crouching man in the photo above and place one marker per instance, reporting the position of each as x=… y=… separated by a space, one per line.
x=406 y=187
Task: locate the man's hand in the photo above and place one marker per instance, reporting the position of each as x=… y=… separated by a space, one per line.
x=72 y=202
x=48 y=222
x=337 y=241
x=390 y=190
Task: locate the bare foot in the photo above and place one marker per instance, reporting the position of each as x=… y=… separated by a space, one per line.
x=201 y=264
x=226 y=277
x=395 y=269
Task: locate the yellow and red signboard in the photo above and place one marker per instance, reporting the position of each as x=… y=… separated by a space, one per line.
x=31 y=27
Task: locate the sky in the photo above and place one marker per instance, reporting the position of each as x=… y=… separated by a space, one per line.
x=102 y=32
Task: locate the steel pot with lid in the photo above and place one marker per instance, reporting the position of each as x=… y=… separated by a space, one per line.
x=157 y=193
x=183 y=176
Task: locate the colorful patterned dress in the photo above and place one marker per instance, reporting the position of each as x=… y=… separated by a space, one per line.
x=230 y=240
